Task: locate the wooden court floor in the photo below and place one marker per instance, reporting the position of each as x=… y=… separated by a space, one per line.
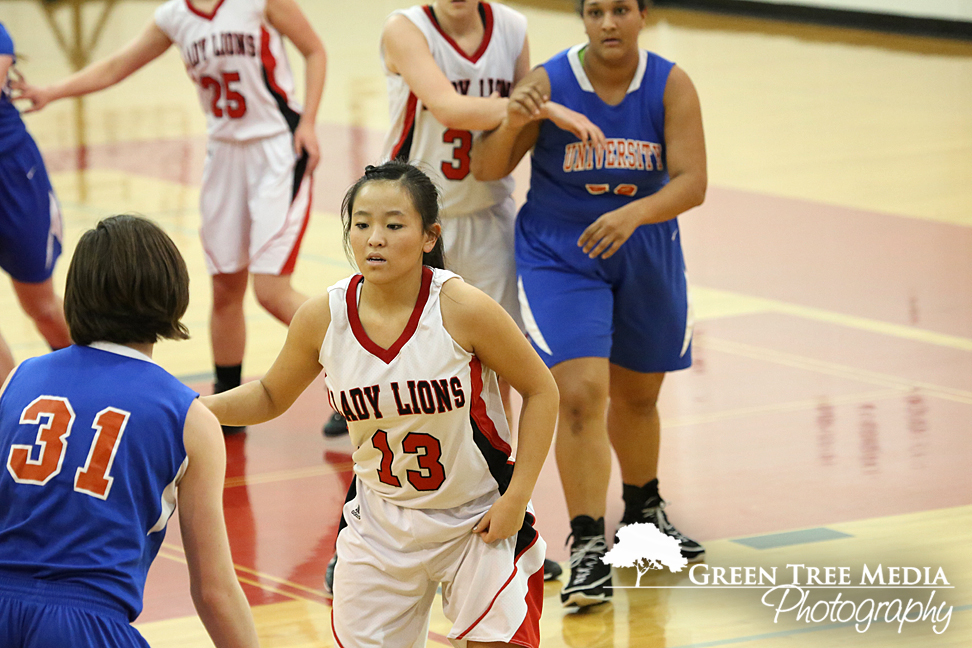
x=825 y=422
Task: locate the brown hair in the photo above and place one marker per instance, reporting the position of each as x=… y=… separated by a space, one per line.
x=127 y=283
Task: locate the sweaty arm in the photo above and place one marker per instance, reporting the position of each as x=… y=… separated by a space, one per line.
x=216 y=592
x=481 y=326
x=147 y=46
x=294 y=369
x=407 y=54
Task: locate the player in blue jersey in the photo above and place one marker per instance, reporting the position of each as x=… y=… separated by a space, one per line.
x=30 y=220
x=599 y=263
x=95 y=439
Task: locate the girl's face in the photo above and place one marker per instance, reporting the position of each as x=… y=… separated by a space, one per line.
x=387 y=235
x=612 y=26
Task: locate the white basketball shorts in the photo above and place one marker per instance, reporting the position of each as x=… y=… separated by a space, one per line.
x=392 y=559
x=254 y=207
x=479 y=248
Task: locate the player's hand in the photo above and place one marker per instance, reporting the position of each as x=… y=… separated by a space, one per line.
x=573 y=122
x=526 y=103
x=607 y=234
x=305 y=140
x=38 y=97
x=503 y=519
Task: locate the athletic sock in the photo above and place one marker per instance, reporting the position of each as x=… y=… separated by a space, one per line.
x=227 y=377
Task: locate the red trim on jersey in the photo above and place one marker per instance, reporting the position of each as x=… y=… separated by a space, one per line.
x=207 y=16
x=477 y=409
x=530 y=595
x=334 y=630
x=528 y=634
x=408 y=125
x=386 y=355
x=487 y=32
x=291 y=263
x=269 y=62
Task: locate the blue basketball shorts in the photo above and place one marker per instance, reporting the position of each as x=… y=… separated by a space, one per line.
x=632 y=308
x=30 y=216
x=41 y=614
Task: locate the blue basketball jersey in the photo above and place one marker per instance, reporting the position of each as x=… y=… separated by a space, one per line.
x=12 y=129
x=572 y=181
x=91 y=440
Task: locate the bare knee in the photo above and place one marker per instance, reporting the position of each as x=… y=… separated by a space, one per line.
x=229 y=290
x=581 y=401
x=271 y=298
x=43 y=310
x=637 y=404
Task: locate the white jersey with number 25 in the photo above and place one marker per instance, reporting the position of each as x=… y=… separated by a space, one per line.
x=237 y=61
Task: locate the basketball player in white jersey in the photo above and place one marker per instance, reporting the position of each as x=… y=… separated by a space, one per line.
x=449 y=67
x=410 y=355
x=256 y=189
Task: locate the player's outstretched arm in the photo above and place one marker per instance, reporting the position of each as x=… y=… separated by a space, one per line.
x=481 y=326
x=147 y=46
x=407 y=53
x=295 y=368
x=496 y=153
x=287 y=18
x=216 y=592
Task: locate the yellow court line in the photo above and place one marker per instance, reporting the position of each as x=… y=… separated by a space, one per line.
x=178 y=555
x=285 y=475
x=747 y=304
x=834 y=369
x=791 y=406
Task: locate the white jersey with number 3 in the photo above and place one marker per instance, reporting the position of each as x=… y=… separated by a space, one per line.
x=417 y=135
x=425 y=415
x=237 y=61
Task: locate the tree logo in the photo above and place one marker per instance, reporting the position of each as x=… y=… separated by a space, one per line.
x=644 y=547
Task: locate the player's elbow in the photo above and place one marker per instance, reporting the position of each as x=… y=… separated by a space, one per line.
x=698 y=187
x=212 y=598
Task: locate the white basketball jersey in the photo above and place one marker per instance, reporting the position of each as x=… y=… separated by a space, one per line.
x=417 y=135
x=425 y=416
x=237 y=61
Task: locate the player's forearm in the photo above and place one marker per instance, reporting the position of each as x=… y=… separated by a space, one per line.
x=315 y=71
x=469 y=113
x=537 y=420
x=248 y=404
x=96 y=76
x=492 y=153
x=683 y=192
x=226 y=615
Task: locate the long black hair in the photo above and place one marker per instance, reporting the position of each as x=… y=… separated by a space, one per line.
x=424 y=195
